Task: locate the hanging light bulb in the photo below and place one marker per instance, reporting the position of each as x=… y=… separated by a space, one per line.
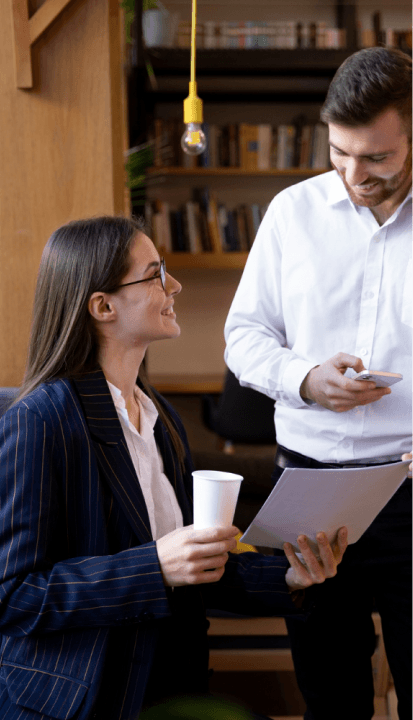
x=193 y=140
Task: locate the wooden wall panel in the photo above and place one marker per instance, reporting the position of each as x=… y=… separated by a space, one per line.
x=61 y=151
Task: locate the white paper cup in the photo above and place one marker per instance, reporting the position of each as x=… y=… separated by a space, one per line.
x=215 y=498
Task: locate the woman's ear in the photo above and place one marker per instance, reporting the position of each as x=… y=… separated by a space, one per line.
x=100 y=307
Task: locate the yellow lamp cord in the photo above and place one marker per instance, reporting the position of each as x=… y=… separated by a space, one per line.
x=193 y=41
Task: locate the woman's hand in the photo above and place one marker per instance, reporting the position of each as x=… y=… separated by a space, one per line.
x=312 y=570
x=190 y=557
x=408 y=456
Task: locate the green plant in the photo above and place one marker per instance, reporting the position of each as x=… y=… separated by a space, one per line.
x=129 y=8
x=138 y=160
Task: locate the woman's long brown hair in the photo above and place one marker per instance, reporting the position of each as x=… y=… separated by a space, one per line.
x=80 y=258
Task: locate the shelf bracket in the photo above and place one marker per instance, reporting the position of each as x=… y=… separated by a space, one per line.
x=26 y=31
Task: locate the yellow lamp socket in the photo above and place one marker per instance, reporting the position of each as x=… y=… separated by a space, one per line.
x=193 y=106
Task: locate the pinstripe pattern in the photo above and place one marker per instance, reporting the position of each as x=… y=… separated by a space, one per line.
x=72 y=571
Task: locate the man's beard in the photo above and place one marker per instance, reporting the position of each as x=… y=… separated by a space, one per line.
x=384 y=190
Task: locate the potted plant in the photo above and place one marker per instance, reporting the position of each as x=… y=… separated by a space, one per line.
x=154 y=23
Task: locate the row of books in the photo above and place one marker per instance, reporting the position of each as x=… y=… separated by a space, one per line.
x=300 y=144
x=287 y=35
x=203 y=225
x=401 y=39
x=272 y=34
x=377 y=35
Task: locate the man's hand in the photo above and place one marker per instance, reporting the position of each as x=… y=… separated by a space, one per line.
x=190 y=557
x=327 y=386
x=313 y=570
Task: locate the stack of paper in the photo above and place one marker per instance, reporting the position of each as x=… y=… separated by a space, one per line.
x=310 y=501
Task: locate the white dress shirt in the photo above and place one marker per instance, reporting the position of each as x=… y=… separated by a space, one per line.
x=324 y=277
x=163 y=509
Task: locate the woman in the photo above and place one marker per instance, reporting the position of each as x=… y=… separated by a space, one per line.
x=104 y=580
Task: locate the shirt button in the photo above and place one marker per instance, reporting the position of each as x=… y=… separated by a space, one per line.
x=363 y=351
x=346 y=444
x=377 y=239
x=368 y=295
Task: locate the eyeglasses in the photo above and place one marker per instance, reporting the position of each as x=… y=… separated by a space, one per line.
x=161 y=274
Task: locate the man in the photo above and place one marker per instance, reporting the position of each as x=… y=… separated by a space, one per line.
x=327 y=292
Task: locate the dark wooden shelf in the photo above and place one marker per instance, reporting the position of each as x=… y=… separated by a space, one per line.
x=173 y=61
x=154 y=172
x=206 y=260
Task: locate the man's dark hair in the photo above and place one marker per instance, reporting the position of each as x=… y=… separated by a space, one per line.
x=368 y=83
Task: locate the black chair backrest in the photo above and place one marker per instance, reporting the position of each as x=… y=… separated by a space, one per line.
x=241 y=415
x=7 y=395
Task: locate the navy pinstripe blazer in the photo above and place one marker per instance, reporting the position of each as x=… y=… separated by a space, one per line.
x=77 y=559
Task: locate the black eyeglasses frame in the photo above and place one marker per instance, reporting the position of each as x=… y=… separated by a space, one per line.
x=161 y=274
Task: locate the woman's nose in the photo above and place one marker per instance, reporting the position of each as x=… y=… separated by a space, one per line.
x=172 y=286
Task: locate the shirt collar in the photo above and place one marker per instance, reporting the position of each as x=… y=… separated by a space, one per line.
x=337 y=192
x=149 y=409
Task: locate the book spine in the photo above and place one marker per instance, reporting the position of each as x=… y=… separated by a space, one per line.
x=264 y=147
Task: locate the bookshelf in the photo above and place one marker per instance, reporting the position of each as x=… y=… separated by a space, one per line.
x=205 y=260
x=228 y=80
x=237 y=86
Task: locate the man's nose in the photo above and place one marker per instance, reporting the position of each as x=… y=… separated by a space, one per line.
x=355 y=172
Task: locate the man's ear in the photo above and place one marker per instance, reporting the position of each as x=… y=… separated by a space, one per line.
x=100 y=307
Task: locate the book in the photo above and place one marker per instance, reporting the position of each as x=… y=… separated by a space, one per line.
x=215 y=232
x=194 y=233
x=249 y=225
x=164 y=210
x=242 y=228
x=248 y=146
x=203 y=229
x=233 y=240
x=320 y=151
x=233 y=146
x=256 y=217
x=285 y=146
x=306 y=144
x=223 y=223
x=264 y=147
x=177 y=231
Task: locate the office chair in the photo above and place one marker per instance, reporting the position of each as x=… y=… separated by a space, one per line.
x=241 y=415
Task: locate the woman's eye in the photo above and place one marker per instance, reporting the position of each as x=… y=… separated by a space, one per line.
x=377 y=160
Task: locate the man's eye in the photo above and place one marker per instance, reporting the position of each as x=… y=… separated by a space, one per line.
x=378 y=160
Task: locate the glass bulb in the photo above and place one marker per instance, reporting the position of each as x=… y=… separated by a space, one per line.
x=193 y=140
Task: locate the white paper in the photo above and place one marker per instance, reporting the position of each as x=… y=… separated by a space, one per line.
x=311 y=500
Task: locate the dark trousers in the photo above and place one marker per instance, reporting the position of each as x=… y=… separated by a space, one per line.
x=332 y=649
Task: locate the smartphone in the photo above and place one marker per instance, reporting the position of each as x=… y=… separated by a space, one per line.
x=380 y=377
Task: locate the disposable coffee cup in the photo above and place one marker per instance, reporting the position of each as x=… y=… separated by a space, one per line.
x=215 y=498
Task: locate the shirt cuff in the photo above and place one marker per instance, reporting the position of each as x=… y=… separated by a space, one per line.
x=294 y=375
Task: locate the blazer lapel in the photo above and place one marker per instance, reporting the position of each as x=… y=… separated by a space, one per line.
x=111 y=450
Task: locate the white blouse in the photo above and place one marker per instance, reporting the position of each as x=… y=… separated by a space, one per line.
x=163 y=509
